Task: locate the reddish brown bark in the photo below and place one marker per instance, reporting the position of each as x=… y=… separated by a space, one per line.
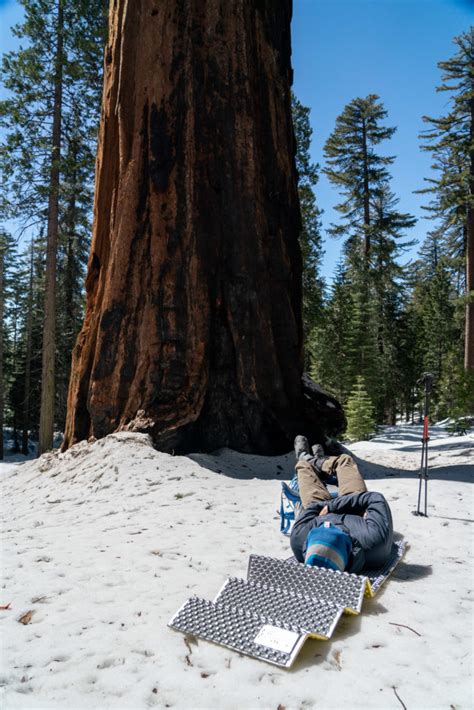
x=193 y=325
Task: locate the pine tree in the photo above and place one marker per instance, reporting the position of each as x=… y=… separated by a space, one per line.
x=363 y=347
x=46 y=431
x=3 y=249
x=50 y=120
x=356 y=170
x=360 y=412
x=310 y=235
x=439 y=332
x=409 y=357
x=387 y=290
x=27 y=317
x=11 y=302
x=329 y=344
x=373 y=228
x=450 y=138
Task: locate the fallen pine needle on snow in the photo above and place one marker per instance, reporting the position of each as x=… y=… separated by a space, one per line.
x=393 y=623
x=399 y=698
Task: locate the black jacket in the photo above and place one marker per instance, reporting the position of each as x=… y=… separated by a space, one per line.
x=372 y=536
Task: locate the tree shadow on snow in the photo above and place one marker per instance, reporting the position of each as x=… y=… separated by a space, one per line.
x=461 y=473
x=247 y=466
x=436 y=446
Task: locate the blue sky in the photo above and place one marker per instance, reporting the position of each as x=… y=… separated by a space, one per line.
x=348 y=48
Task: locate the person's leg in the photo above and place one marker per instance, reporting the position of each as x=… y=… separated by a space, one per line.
x=311 y=488
x=349 y=478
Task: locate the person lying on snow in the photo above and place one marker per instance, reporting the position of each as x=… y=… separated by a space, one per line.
x=351 y=532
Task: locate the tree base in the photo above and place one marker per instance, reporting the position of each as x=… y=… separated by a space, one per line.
x=253 y=430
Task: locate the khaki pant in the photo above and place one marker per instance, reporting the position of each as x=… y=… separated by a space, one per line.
x=312 y=490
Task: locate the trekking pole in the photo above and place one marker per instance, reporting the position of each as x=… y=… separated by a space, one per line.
x=427 y=380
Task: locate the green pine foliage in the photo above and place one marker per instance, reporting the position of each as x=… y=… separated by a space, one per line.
x=409 y=361
x=435 y=306
x=372 y=287
x=357 y=171
x=450 y=139
x=24 y=310
x=329 y=344
x=26 y=116
x=310 y=235
x=30 y=76
x=9 y=312
x=359 y=412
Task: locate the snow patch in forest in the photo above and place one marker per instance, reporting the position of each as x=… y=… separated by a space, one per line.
x=104 y=542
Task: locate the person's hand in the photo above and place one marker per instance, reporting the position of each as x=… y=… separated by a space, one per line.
x=324 y=511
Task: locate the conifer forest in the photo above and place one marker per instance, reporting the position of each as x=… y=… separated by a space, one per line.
x=164 y=273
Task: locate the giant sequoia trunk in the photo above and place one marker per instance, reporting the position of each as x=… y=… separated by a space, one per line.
x=193 y=327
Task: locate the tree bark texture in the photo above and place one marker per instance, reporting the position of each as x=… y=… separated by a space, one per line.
x=193 y=329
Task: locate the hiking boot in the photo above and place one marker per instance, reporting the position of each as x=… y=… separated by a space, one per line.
x=319 y=457
x=302 y=449
x=318 y=451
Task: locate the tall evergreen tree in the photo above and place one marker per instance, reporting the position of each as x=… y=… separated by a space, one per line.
x=310 y=236
x=450 y=138
x=439 y=332
x=50 y=120
x=387 y=291
x=373 y=228
x=46 y=431
x=355 y=168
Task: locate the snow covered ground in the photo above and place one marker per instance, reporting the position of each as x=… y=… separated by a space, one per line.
x=102 y=544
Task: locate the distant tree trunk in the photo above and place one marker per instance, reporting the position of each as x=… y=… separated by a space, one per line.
x=28 y=339
x=15 y=358
x=469 y=321
x=366 y=195
x=69 y=284
x=49 y=333
x=193 y=328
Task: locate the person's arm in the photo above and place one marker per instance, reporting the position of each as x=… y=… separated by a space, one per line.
x=375 y=511
x=350 y=504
